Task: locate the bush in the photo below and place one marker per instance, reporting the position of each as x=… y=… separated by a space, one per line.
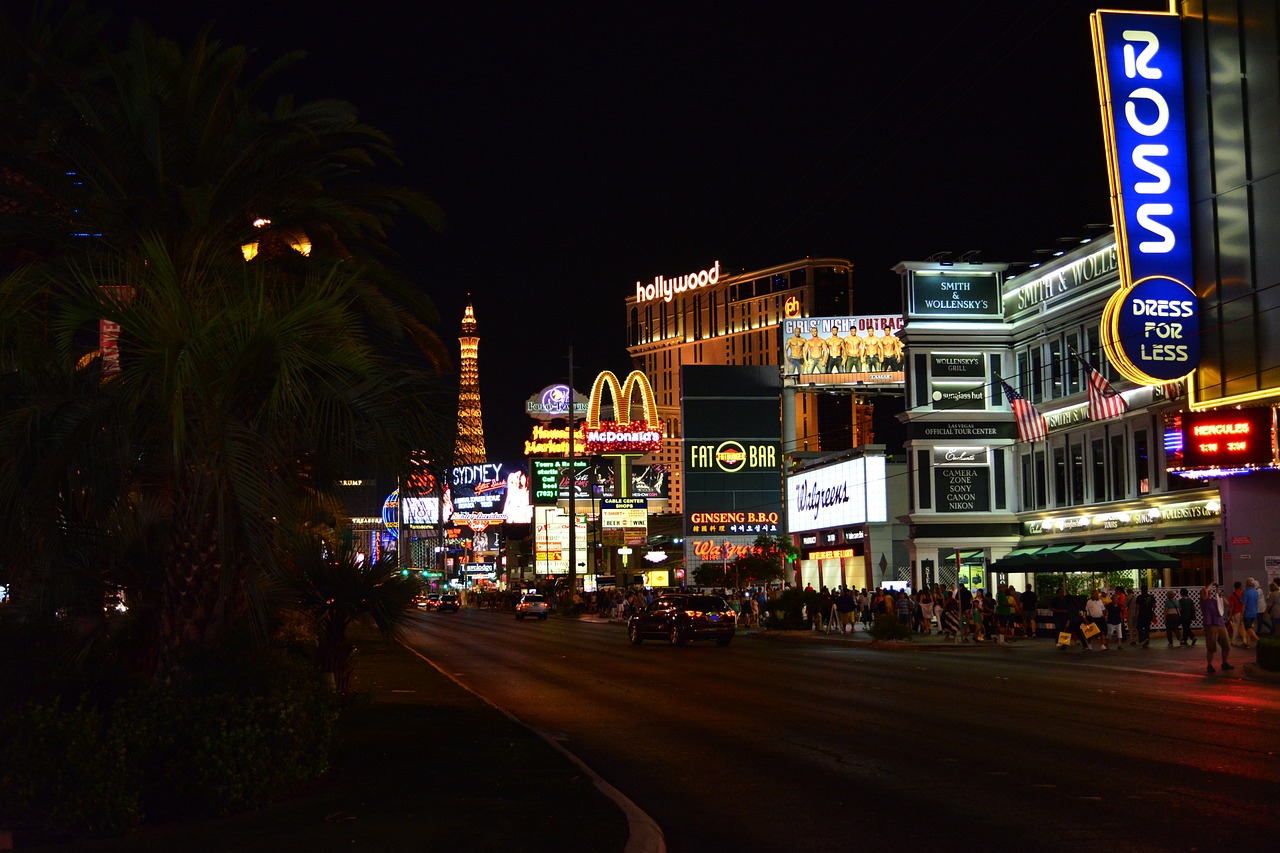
x=221 y=739
x=1269 y=654
x=887 y=627
x=62 y=773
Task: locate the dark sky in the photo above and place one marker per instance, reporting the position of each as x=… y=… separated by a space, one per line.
x=580 y=148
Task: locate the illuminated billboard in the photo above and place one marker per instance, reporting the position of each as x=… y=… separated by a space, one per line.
x=1225 y=439
x=844 y=350
x=488 y=493
x=549 y=481
x=622 y=435
x=847 y=493
x=1150 y=326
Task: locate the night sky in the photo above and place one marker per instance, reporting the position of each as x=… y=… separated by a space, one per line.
x=580 y=148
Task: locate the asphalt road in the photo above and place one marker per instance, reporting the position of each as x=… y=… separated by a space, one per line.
x=772 y=744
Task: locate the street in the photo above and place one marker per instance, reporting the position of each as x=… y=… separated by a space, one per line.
x=774 y=744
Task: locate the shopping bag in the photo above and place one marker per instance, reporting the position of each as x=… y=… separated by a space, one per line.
x=1064 y=639
x=1089 y=630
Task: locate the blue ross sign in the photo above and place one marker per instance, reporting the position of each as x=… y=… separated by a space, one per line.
x=1147 y=130
x=1150 y=328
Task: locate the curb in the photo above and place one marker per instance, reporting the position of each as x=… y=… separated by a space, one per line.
x=1253 y=672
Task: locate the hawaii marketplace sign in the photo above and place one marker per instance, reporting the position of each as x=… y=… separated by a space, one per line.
x=1150 y=326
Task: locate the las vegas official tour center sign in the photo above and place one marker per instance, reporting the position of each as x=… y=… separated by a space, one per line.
x=1150 y=326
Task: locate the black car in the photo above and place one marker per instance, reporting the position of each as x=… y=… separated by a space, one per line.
x=448 y=604
x=681 y=617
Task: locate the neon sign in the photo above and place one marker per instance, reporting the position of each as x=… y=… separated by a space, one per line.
x=668 y=288
x=1150 y=326
x=1227 y=438
x=625 y=436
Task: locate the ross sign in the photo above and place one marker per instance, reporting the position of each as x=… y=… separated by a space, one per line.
x=553 y=402
x=861 y=350
x=847 y=493
x=954 y=295
x=1150 y=326
x=1227 y=438
x=666 y=289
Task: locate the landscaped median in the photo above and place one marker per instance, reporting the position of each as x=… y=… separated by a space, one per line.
x=418 y=763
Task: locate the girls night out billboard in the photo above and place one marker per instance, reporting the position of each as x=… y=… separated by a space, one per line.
x=862 y=350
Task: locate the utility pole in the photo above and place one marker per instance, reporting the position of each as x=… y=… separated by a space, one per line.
x=573 y=488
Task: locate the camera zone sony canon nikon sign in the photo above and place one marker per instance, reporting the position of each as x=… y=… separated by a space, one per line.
x=1150 y=327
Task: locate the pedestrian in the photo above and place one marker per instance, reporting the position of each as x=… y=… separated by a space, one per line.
x=1215 y=629
x=902 y=607
x=1172 y=616
x=1273 y=607
x=1115 y=622
x=926 y=610
x=1096 y=614
x=1005 y=612
x=1249 y=614
x=1235 y=606
x=950 y=617
x=976 y=610
x=1145 y=610
x=1030 y=602
x=846 y=605
x=1058 y=605
x=965 y=597
x=1186 y=615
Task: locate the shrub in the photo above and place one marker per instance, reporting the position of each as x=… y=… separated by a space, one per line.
x=1269 y=654
x=786 y=611
x=63 y=773
x=887 y=627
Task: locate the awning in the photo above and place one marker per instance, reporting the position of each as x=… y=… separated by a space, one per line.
x=1020 y=552
x=1160 y=543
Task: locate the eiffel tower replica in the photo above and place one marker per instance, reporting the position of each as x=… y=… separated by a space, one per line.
x=469 y=448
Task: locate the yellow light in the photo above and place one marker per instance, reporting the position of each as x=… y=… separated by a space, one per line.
x=249 y=250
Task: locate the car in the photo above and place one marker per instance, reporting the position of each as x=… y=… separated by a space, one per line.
x=449 y=603
x=679 y=618
x=532 y=605
x=427 y=602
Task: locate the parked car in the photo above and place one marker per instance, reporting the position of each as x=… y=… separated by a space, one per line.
x=449 y=603
x=532 y=605
x=679 y=618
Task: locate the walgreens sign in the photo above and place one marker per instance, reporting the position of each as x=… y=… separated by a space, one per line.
x=850 y=492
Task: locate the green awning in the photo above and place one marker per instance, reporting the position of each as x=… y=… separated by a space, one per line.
x=1056 y=549
x=970 y=555
x=1096 y=546
x=1159 y=543
x=1021 y=552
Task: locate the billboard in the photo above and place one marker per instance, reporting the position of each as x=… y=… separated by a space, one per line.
x=861 y=350
x=1150 y=327
x=488 y=493
x=549 y=481
x=551 y=541
x=732 y=456
x=624 y=521
x=847 y=493
x=1225 y=439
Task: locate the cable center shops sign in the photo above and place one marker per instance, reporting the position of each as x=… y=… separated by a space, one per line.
x=624 y=521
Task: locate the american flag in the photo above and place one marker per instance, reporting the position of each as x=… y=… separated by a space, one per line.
x=1031 y=424
x=1104 y=401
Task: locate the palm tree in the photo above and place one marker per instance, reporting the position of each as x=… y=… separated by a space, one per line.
x=334 y=590
x=247 y=388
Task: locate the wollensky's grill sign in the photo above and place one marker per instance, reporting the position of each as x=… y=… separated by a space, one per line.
x=1150 y=327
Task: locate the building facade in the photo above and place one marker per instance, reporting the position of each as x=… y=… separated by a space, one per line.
x=714 y=317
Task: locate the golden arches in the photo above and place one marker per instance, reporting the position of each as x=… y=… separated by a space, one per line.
x=622 y=394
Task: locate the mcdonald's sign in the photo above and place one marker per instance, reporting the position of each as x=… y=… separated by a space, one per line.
x=619 y=435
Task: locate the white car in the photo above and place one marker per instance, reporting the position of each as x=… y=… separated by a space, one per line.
x=532 y=605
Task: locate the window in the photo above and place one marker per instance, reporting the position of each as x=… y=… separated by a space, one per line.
x=1073 y=366
x=1036 y=394
x=1027 y=484
x=1059 y=476
x=1077 y=474
x=1119 y=488
x=1042 y=498
x=1141 y=462
x=1057 y=370
x=1097 y=452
